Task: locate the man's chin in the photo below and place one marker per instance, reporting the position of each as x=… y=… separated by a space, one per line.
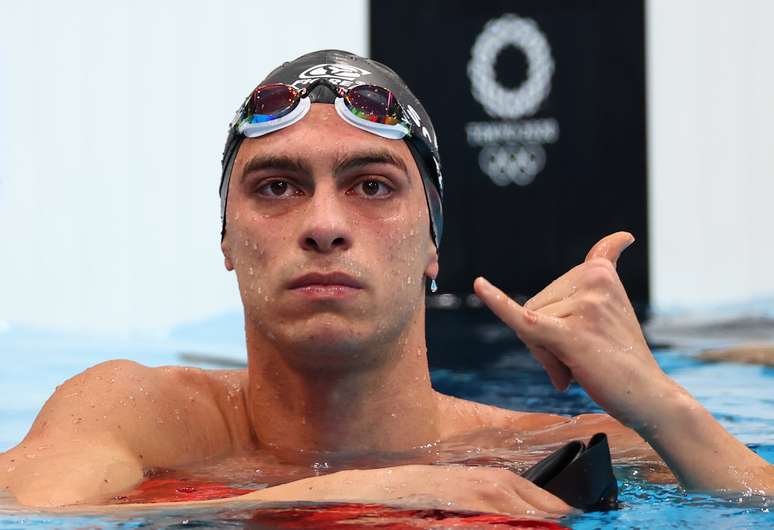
x=328 y=332
x=329 y=342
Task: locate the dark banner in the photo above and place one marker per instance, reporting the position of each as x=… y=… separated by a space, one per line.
x=539 y=108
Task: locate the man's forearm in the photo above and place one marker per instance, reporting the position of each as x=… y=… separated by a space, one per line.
x=698 y=450
x=480 y=489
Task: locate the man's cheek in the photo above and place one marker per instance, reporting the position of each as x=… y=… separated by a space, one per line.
x=250 y=259
x=404 y=264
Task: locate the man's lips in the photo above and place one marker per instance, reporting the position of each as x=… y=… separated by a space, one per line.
x=330 y=280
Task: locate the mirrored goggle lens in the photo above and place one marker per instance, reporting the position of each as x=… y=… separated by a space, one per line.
x=373 y=103
x=269 y=102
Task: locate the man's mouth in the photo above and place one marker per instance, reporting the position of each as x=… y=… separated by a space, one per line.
x=325 y=285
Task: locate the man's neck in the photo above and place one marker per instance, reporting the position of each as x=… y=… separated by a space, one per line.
x=388 y=406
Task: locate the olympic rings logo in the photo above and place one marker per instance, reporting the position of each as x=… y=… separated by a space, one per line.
x=506 y=164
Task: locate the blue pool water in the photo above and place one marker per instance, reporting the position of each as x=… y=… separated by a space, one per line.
x=740 y=396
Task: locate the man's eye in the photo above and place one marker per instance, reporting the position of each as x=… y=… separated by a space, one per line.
x=278 y=189
x=372 y=188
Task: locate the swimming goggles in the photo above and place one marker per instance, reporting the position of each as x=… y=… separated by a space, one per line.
x=372 y=108
x=277 y=105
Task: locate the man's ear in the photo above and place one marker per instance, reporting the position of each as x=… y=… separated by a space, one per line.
x=431 y=270
x=226 y=251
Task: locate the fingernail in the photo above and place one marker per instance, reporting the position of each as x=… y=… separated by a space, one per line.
x=486 y=287
x=531 y=316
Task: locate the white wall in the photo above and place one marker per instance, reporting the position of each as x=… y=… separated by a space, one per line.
x=711 y=110
x=113 y=116
x=112 y=122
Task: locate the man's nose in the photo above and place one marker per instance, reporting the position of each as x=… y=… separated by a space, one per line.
x=326 y=227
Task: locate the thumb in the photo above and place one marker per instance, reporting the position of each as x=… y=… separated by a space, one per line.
x=610 y=247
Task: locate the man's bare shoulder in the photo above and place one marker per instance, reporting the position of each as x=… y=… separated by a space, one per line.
x=464 y=416
x=146 y=407
x=101 y=429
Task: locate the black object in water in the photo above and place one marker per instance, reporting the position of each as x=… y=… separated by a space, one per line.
x=581 y=475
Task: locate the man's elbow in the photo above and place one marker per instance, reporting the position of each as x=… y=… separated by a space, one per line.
x=63 y=481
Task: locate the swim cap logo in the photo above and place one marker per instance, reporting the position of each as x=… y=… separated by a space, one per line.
x=344 y=72
x=512 y=149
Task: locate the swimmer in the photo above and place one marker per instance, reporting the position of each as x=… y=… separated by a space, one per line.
x=331 y=216
x=742 y=353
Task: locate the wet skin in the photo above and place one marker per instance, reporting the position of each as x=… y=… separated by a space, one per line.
x=329 y=236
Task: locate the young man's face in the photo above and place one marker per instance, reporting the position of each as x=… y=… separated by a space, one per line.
x=324 y=198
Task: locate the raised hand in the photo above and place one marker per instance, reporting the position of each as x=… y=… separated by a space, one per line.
x=583 y=326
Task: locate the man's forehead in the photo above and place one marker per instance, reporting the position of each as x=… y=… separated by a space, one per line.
x=323 y=138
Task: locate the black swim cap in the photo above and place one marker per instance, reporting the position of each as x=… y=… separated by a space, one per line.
x=346 y=69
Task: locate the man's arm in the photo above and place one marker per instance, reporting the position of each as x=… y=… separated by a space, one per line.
x=450 y=487
x=583 y=326
x=698 y=450
x=101 y=429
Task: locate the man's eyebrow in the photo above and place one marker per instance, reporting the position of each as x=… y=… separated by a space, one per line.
x=281 y=162
x=358 y=160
